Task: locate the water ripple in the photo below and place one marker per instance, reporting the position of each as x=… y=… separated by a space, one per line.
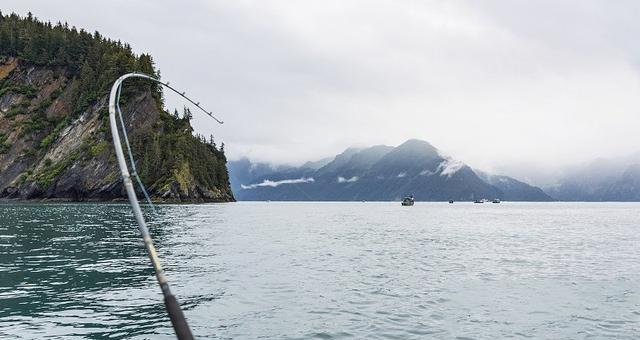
x=324 y=271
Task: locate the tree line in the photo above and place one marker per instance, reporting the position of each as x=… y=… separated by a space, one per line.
x=93 y=62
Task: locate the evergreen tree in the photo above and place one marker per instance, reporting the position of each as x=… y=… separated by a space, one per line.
x=90 y=63
x=187 y=114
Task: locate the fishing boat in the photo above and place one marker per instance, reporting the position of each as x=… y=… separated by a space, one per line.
x=450 y=201
x=479 y=201
x=497 y=200
x=408 y=201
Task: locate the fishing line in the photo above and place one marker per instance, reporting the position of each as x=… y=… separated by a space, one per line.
x=134 y=169
x=130 y=153
x=178 y=321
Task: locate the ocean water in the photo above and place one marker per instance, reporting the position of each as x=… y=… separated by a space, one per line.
x=324 y=271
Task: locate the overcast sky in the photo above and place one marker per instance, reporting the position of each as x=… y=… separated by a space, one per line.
x=497 y=84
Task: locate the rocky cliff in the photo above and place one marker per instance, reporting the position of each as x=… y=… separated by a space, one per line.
x=55 y=141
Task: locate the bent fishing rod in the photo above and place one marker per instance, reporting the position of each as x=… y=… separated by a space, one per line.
x=178 y=321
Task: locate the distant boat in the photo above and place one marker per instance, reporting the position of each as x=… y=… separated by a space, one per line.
x=480 y=201
x=450 y=201
x=408 y=201
x=497 y=200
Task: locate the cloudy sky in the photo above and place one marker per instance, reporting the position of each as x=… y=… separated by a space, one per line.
x=498 y=84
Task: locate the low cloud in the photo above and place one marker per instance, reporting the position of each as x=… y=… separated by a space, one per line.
x=348 y=180
x=273 y=184
x=450 y=167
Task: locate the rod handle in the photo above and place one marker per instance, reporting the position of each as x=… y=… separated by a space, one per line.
x=177 y=318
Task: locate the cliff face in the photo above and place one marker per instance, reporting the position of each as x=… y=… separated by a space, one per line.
x=48 y=151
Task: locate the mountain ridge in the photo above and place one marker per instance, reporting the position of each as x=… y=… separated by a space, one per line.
x=602 y=180
x=382 y=173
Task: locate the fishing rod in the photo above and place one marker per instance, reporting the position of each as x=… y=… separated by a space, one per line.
x=178 y=321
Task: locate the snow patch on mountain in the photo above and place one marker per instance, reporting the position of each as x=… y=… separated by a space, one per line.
x=426 y=172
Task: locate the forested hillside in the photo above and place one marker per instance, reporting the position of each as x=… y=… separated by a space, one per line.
x=54 y=134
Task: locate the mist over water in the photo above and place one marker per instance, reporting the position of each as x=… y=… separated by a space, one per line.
x=324 y=270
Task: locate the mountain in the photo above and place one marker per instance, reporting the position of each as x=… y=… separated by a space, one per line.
x=55 y=140
x=513 y=189
x=626 y=187
x=600 y=181
x=317 y=164
x=381 y=173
